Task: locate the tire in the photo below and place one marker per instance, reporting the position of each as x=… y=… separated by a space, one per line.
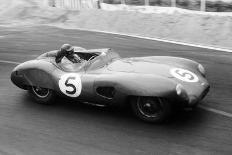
x=42 y=95
x=151 y=109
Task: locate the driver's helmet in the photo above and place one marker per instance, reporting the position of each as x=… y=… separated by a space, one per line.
x=67 y=48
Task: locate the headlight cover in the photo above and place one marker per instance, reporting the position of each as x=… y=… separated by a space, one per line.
x=179 y=89
x=201 y=69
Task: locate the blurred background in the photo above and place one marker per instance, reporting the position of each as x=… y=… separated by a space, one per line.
x=204 y=5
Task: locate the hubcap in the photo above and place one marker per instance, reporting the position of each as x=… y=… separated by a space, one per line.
x=150 y=107
x=40 y=92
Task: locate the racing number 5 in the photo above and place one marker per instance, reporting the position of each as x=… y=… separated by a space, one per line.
x=185 y=75
x=70 y=85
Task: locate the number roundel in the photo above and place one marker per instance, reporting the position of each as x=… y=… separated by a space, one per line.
x=70 y=84
x=184 y=75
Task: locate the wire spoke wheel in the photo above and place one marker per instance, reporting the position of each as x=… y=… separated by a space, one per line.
x=151 y=109
x=42 y=95
x=40 y=92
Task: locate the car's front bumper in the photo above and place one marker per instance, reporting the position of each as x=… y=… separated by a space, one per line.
x=191 y=98
x=195 y=99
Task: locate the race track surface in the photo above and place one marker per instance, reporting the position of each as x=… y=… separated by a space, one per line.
x=74 y=128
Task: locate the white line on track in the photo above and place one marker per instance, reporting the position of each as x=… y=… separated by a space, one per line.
x=121 y=38
x=2 y=37
x=161 y=40
x=10 y=62
x=216 y=111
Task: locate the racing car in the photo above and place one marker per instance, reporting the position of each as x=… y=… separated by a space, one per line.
x=152 y=86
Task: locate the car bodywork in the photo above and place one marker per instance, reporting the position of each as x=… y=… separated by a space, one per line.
x=105 y=78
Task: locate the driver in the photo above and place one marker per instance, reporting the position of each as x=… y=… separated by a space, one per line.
x=67 y=51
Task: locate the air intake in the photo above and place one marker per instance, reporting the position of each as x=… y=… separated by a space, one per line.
x=106 y=92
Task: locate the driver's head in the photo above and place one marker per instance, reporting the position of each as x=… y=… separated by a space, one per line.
x=67 y=48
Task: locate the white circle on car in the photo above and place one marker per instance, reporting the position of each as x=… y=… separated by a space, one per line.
x=70 y=84
x=184 y=75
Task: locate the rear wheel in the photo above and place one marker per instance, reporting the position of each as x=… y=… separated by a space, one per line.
x=151 y=109
x=42 y=95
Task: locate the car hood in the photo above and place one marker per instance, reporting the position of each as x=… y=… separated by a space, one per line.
x=180 y=70
x=147 y=65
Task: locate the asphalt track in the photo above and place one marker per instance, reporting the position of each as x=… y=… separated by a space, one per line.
x=73 y=128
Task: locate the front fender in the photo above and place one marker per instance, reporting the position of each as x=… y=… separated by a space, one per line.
x=147 y=86
x=34 y=73
x=139 y=85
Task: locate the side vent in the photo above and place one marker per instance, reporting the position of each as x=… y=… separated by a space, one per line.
x=106 y=92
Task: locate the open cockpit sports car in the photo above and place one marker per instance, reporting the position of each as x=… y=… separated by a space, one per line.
x=151 y=85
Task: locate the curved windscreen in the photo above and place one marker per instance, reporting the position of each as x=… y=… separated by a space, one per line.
x=69 y=66
x=102 y=60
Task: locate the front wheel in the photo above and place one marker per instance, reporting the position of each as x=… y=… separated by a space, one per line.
x=151 y=109
x=42 y=95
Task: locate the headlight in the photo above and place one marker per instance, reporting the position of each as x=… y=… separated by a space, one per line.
x=179 y=88
x=180 y=91
x=201 y=69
